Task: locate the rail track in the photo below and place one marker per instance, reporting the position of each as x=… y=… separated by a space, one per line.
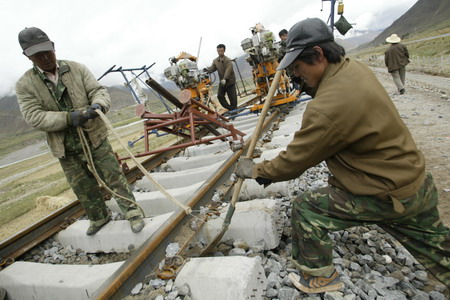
x=212 y=180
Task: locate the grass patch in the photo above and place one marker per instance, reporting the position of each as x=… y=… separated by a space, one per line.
x=16 y=188
x=17 y=208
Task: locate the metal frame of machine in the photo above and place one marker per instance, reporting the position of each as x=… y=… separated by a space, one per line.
x=263 y=50
x=192 y=103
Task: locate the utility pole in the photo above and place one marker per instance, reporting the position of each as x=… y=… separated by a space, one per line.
x=331 y=17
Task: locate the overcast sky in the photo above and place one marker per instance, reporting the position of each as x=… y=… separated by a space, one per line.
x=135 y=33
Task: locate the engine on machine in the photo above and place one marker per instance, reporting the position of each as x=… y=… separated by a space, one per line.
x=194 y=83
x=263 y=53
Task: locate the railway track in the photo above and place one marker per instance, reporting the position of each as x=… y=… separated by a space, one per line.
x=251 y=262
x=193 y=185
x=23 y=241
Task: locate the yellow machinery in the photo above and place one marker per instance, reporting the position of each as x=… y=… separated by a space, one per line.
x=194 y=84
x=263 y=54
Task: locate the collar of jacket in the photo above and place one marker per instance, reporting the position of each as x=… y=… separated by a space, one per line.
x=332 y=69
x=63 y=68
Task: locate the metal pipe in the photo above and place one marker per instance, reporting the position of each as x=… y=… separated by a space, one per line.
x=165 y=93
x=240 y=76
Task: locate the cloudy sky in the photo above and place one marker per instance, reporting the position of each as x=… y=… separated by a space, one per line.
x=135 y=33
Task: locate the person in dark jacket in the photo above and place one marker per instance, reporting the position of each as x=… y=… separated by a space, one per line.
x=227 y=85
x=59 y=97
x=378 y=174
x=396 y=57
x=282 y=50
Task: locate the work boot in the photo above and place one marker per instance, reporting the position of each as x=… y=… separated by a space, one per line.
x=316 y=284
x=136 y=224
x=93 y=229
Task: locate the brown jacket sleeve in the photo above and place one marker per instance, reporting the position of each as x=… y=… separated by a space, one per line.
x=353 y=125
x=317 y=140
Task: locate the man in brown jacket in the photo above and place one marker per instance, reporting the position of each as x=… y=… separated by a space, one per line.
x=378 y=174
x=223 y=65
x=396 y=58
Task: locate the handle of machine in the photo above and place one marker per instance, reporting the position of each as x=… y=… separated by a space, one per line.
x=252 y=146
x=238 y=185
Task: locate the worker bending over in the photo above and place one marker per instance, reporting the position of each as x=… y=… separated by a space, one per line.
x=378 y=174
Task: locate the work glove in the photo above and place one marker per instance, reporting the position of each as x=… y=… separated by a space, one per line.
x=77 y=118
x=244 y=168
x=263 y=181
x=91 y=113
x=223 y=82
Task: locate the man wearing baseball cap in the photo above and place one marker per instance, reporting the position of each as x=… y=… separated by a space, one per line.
x=59 y=96
x=378 y=174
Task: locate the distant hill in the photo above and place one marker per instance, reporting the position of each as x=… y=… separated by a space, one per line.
x=363 y=37
x=12 y=122
x=422 y=17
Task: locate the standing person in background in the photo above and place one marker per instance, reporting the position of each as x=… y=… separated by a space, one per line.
x=283 y=37
x=58 y=97
x=224 y=66
x=396 y=58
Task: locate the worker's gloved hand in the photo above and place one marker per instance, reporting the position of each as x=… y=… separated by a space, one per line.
x=205 y=70
x=91 y=111
x=77 y=118
x=223 y=82
x=244 y=168
x=263 y=181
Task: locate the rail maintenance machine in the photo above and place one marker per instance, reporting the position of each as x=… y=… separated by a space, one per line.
x=263 y=55
x=193 y=110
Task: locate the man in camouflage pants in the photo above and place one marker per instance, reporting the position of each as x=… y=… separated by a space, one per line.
x=378 y=174
x=60 y=97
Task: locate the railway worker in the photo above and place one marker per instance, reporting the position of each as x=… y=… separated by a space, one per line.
x=282 y=50
x=59 y=96
x=224 y=66
x=396 y=57
x=378 y=174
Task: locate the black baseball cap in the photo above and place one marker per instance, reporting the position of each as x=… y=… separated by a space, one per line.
x=309 y=32
x=33 y=40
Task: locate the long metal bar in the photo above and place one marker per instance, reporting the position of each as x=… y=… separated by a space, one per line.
x=129 y=85
x=161 y=90
x=240 y=76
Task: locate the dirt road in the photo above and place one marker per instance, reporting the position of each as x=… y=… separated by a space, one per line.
x=425 y=109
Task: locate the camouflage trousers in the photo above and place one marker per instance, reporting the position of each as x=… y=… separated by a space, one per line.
x=419 y=228
x=85 y=186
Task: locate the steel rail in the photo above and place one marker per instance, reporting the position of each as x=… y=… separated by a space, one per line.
x=147 y=257
x=23 y=241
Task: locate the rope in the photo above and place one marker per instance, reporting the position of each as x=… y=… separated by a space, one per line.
x=187 y=209
x=88 y=154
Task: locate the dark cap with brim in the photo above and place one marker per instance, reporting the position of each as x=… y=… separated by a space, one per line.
x=33 y=40
x=309 y=32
